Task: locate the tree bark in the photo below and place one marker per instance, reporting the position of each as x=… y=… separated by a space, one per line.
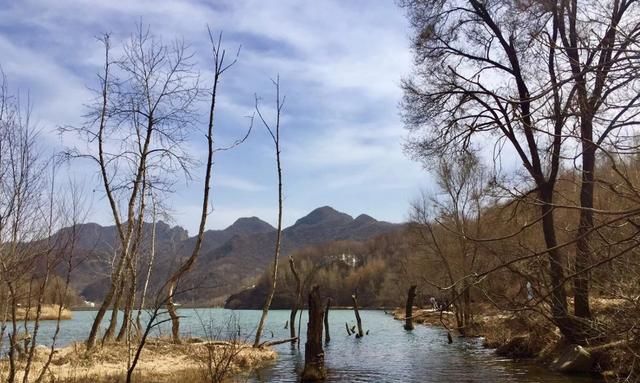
x=556 y=269
x=113 y=322
x=327 y=338
x=152 y=256
x=354 y=297
x=408 y=312
x=131 y=266
x=583 y=250
x=128 y=307
x=314 y=369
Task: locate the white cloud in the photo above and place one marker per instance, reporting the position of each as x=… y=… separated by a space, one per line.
x=237 y=183
x=340 y=65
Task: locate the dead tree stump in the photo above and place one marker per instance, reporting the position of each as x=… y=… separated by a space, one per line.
x=327 y=337
x=354 y=297
x=313 y=353
x=408 y=321
x=297 y=302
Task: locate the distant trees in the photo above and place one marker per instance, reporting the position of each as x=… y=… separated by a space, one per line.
x=445 y=226
x=372 y=267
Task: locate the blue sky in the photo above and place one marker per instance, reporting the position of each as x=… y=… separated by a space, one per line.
x=340 y=65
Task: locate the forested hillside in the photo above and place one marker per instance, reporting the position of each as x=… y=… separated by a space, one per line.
x=232 y=258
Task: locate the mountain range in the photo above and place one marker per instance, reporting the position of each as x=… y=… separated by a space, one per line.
x=230 y=259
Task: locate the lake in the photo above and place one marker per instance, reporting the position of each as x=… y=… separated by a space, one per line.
x=387 y=354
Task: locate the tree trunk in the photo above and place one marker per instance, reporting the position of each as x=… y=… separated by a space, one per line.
x=314 y=369
x=113 y=322
x=300 y=323
x=408 y=312
x=583 y=251
x=556 y=269
x=354 y=297
x=466 y=304
x=326 y=321
x=173 y=314
x=108 y=299
x=128 y=308
x=297 y=300
x=152 y=256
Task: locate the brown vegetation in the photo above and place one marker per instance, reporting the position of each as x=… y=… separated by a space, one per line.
x=161 y=361
x=48 y=312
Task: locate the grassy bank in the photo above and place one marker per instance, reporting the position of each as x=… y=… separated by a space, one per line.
x=161 y=361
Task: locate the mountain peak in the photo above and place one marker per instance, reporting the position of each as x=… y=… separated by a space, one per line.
x=322 y=215
x=249 y=225
x=364 y=218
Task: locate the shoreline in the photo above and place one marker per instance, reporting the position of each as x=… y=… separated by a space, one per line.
x=524 y=336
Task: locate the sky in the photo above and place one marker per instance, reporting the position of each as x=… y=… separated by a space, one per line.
x=340 y=65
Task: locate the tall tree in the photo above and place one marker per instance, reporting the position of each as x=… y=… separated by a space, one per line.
x=219 y=68
x=540 y=76
x=274 y=132
x=478 y=77
x=598 y=51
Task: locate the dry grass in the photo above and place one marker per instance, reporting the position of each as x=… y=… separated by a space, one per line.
x=161 y=361
x=428 y=317
x=49 y=312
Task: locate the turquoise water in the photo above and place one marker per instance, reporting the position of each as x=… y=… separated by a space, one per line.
x=387 y=354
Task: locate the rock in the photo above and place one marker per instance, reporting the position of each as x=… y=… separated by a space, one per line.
x=573 y=358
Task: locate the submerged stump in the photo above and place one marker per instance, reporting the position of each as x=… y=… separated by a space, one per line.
x=408 y=314
x=354 y=297
x=327 y=336
x=314 y=369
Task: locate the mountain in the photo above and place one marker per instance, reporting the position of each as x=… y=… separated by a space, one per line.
x=251 y=225
x=230 y=259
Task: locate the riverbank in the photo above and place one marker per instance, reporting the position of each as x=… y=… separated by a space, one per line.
x=529 y=335
x=161 y=360
x=48 y=312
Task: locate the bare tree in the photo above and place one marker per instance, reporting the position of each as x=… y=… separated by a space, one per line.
x=34 y=251
x=139 y=124
x=444 y=224
x=274 y=132
x=219 y=67
x=490 y=72
x=598 y=52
